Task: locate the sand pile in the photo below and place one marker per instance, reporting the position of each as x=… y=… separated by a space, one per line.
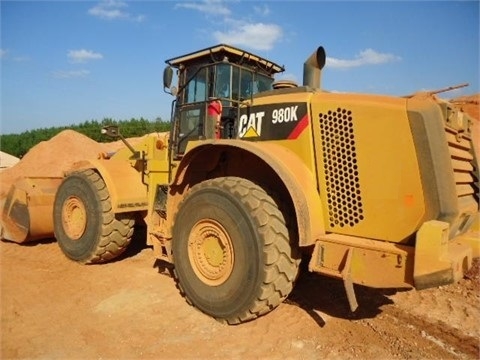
x=52 y=157
x=470 y=104
x=47 y=159
x=7 y=160
x=117 y=145
x=57 y=155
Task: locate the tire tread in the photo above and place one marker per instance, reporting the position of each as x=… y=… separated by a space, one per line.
x=116 y=229
x=281 y=259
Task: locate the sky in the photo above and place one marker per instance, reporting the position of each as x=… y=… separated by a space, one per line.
x=67 y=62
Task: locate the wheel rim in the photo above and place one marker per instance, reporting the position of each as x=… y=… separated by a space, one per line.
x=74 y=217
x=210 y=252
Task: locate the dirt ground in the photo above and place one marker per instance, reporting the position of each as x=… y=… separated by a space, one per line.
x=53 y=308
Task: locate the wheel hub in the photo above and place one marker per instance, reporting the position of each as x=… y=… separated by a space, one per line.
x=210 y=252
x=74 y=217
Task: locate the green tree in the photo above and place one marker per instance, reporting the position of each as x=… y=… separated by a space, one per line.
x=19 y=144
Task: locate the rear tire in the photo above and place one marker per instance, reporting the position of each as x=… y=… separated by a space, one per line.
x=86 y=228
x=232 y=255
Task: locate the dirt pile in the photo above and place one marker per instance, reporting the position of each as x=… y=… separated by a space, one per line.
x=117 y=145
x=470 y=104
x=7 y=160
x=51 y=158
x=474 y=275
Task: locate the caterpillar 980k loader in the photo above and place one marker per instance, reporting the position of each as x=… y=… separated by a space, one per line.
x=380 y=191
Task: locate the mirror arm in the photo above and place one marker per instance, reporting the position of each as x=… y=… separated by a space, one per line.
x=114 y=132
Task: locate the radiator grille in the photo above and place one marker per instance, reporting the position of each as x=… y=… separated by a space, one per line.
x=344 y=196
x=461 y=154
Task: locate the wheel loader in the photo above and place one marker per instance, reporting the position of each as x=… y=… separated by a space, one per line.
x=257 y=174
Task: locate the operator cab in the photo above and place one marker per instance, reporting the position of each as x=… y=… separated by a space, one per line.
x=212 y=83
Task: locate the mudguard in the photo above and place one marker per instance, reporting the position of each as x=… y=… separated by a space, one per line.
x=298 y=179
x=124 y=182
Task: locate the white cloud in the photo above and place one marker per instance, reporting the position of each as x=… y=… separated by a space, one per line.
x=365 y=57
x=257 y=36
x=208 y=7
x=112 y=10
x=248 y=33
x=82 y=55
x=10 y=56
x=21 y=58
x=262 y=10
x=69 y=74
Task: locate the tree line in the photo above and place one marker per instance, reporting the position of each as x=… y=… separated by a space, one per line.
x=19 y=144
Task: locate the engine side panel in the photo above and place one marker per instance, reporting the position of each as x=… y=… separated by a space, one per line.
x=367 y=166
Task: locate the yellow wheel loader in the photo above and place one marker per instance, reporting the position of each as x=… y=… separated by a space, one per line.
x=375 y=190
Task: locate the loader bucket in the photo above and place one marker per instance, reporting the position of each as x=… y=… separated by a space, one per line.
x=28 y=210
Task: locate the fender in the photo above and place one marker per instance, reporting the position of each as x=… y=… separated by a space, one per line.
x=297 y=178
x=124 y=183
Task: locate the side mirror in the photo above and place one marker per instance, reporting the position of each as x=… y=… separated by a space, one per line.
x=111 y=131
x=167 y=77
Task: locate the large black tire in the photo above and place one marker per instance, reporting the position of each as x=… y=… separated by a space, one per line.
x=232 y=254
x=85 y=226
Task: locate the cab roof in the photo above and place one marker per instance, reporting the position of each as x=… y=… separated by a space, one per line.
x=219 y=52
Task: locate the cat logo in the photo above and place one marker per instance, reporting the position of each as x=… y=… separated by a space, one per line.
x=250 y=125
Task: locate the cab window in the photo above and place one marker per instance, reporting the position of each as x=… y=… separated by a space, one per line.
x=196 y=90
x=223 y=81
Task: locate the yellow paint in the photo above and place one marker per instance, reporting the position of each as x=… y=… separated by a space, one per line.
x=251 y=133
x=382 y=159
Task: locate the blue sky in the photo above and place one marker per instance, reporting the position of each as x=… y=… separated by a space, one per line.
x=66 y=62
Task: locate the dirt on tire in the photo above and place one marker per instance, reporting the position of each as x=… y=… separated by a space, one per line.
x=264 y=270
x=104 y=234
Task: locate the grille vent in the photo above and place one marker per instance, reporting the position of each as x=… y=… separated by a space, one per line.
x=461 y=153
x=341 y=169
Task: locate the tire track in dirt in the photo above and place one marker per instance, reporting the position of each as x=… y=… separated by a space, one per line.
x=126 y=309
x=453 y=340
x=400 y=321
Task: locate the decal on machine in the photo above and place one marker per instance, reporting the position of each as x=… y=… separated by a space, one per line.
x=132 y=205
x=272 y=122
x=286 y=114
x=251 y=124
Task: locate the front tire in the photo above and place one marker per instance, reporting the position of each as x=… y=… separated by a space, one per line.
x=86 y=228
x=232 y=254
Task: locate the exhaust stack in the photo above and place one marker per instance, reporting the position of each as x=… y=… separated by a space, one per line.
x=312 y=68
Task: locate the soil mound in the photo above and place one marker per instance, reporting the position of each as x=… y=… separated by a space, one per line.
x=470 y=104
x=51 y=158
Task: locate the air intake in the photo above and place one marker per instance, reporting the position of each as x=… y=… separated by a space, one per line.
x=284 y=84
x=344 y=197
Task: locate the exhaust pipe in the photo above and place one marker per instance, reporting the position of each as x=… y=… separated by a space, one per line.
x=312 y=68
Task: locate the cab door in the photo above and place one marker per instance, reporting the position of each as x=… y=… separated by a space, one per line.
x=190 y=109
